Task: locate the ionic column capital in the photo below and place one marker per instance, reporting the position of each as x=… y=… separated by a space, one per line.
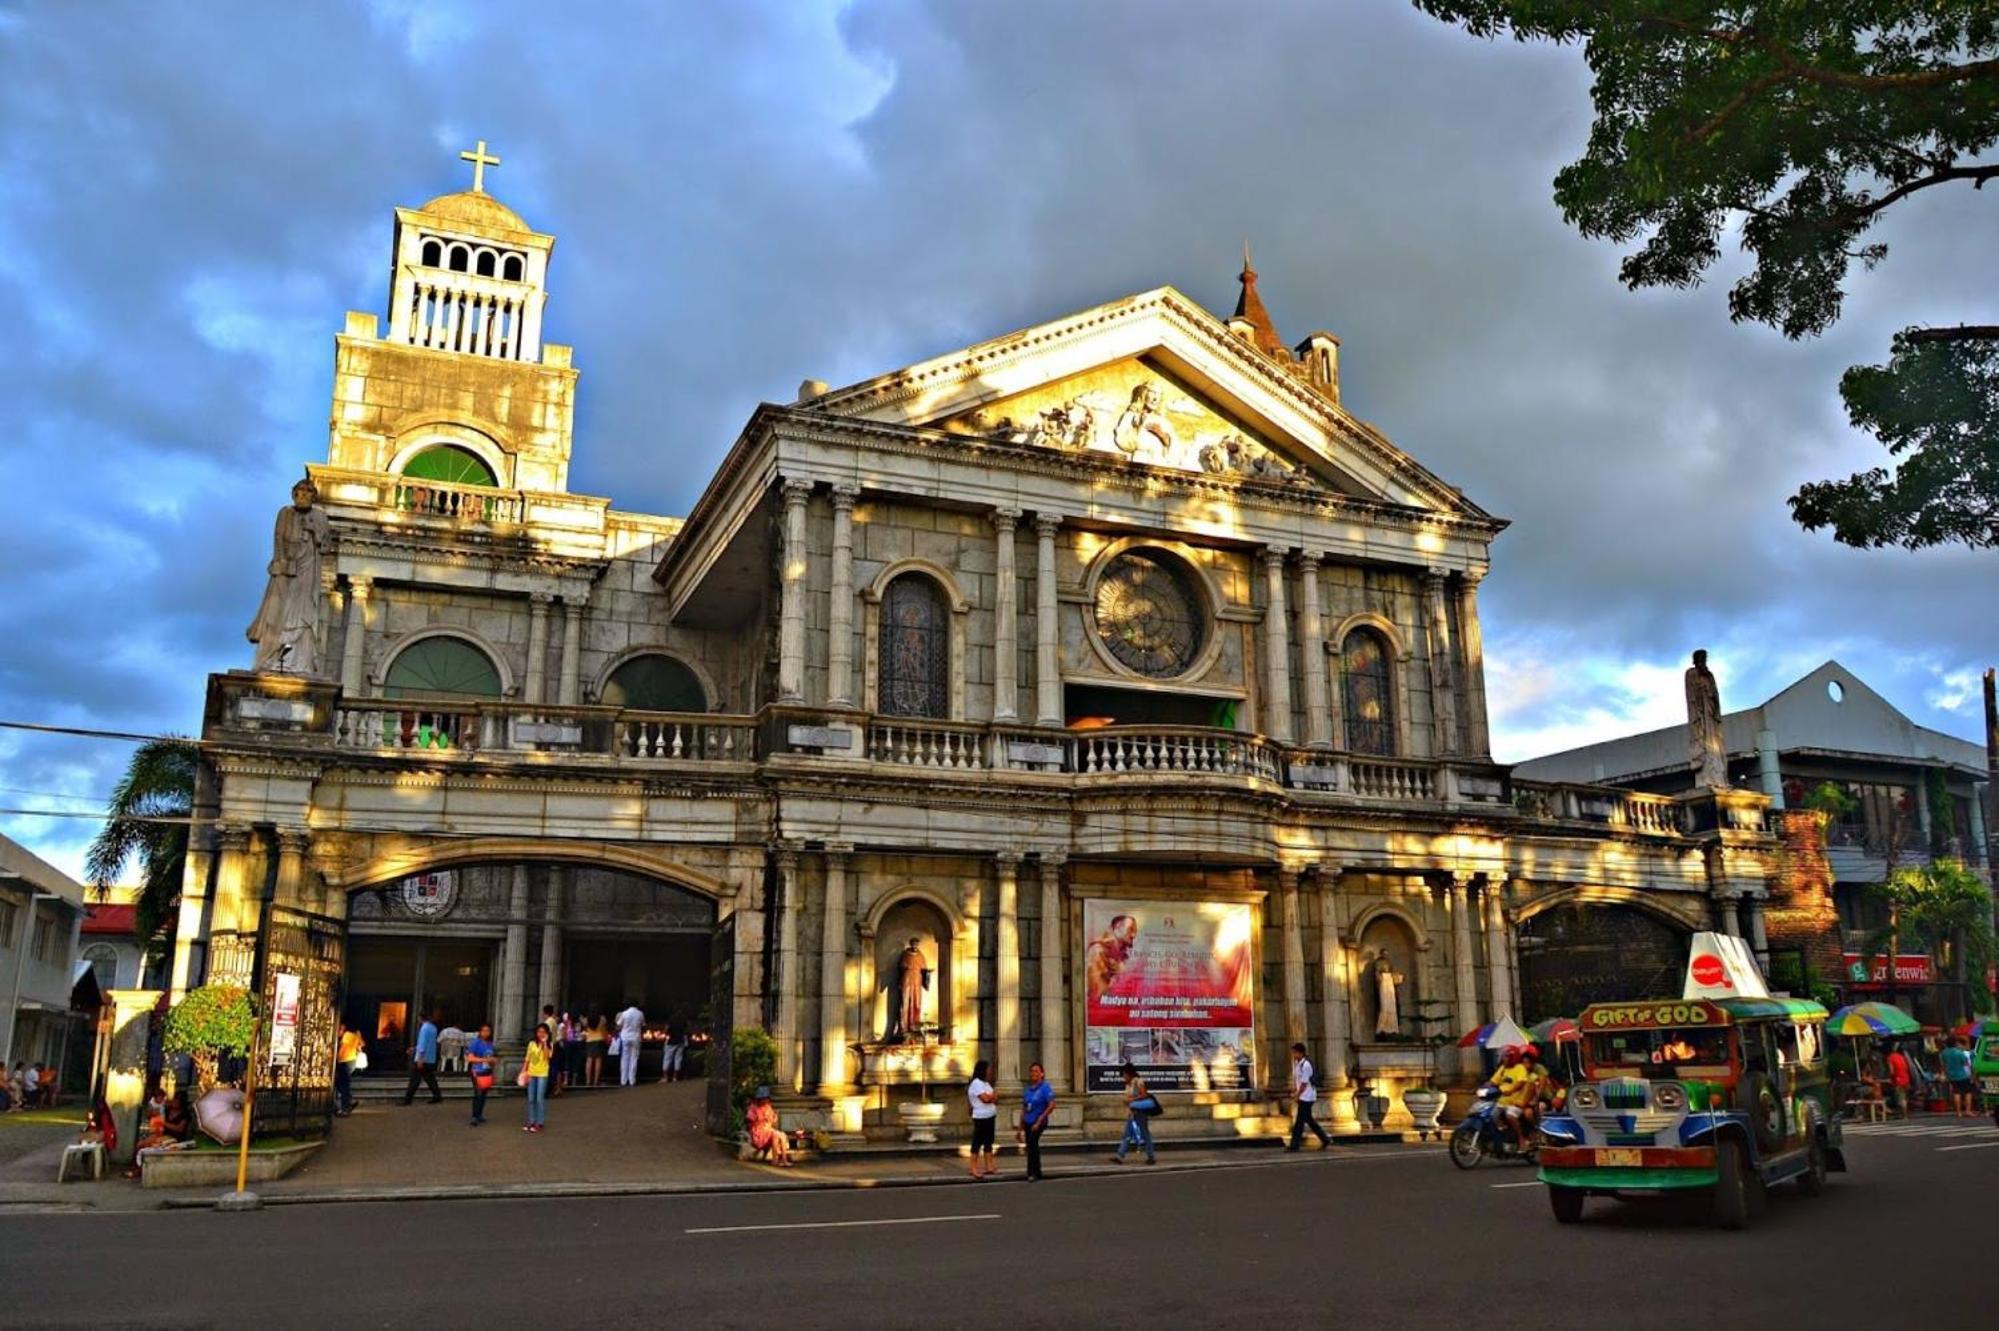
x=844 y=497
x=1008 y=860
x=1274 y=557
x=293 y=840
x=1004 y=520
x=233 y=836
x=796 y=491
x=360 y=585
x=1047 y=524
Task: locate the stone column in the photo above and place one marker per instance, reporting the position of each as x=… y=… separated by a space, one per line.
x=791 y=604
x=1478 y=742
x=786 y=1034
x=1054 y=1013
x=1337 y=963
x=833 y=1078
x=1276 y=652
x=840 y=617
x=230 y=912
x=1768 y=774
x=353 y=672
x=1498 y=956
x=536 y=687
x=290 y=888
x=551 y=944
x=1759 y=939
x=1312 y=655
x=1443 y=696
x=1724 y=916
x=1006 y=621
x=1463 y=975
x=1294 y=955
x=514 y=963
x=1006 y=951
x=573 y=606
x=189 y=931
x=1047 y=671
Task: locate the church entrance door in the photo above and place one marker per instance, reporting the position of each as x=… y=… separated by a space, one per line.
x=393 y=983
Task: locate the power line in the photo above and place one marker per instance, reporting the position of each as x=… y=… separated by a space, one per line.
x=183 y=821
x=87 y=733
x=50 y=794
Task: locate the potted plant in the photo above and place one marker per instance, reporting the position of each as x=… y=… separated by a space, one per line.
x=210 y=1024
x=1424 y=1101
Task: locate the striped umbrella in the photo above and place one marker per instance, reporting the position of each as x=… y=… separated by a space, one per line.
x=1475 y=1038
x=1858 y=1020
x=1976 y=1030
x=1555 y=1030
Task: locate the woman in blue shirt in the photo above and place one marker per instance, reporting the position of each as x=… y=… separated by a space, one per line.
x=1957 y=1071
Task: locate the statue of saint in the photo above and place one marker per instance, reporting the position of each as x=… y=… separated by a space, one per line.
x=1707 y=754
x=1143 y=424
x=286 y=629
x=1387 y=1004
x=912 y=978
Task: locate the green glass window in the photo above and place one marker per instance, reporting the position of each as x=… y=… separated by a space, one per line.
x=654 y=683
x=458 y=466
x=441 y=665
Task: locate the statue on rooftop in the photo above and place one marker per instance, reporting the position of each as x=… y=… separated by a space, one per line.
x=286 y=629
x=1707 y=752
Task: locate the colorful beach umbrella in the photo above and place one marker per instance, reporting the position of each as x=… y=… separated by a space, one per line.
x=1976 y=1030
x=1864 y=1019
x=1475 y=1039
x=1555 y=1030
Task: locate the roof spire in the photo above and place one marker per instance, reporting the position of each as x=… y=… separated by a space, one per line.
x=1249 y=306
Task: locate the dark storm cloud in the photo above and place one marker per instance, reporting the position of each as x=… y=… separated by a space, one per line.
x=747 y=195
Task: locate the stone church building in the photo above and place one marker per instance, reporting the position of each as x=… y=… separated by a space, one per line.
x=1111 y=670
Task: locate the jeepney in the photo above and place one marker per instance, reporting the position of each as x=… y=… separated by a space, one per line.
x=1985 y=1066
x=1729 y=1095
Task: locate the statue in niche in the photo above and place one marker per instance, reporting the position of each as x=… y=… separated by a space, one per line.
x=1144 y=425
x=1387 y=1000
x=1707 y=753
x=286 y=629
x=911 y=981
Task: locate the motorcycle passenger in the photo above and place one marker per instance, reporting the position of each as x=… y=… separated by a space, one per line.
x=1514 y=1080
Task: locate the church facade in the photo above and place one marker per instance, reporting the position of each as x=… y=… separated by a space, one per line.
x=1102 y=693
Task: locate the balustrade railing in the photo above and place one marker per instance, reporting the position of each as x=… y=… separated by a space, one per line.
x=939 y=745
x=1392 y=779
x=496 y=727
x=456 y=502
x=1190 y=751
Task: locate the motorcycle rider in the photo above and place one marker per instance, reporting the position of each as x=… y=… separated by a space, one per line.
x=1514 y=1080
x=1545 y=1090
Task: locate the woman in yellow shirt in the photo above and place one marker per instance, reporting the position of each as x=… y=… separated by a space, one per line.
x=534 y=1074
x=343 y=1070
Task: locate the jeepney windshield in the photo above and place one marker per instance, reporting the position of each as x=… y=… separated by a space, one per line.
x=1668 y=1051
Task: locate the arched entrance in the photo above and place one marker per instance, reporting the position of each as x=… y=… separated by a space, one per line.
x=1581 y=953
x=494 y=941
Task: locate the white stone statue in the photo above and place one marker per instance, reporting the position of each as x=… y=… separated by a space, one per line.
x=1387 y=1002
x=1707 y=753
x=286 y=629
x=1143 y=425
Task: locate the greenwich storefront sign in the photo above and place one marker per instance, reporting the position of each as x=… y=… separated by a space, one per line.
x=1169 y=986
x=1910 y=968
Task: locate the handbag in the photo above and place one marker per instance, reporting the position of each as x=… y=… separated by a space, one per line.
x=1148 y=1106
x=617 y=1046
x=483 y=1080
x=522 y=1080
x=361 y=1061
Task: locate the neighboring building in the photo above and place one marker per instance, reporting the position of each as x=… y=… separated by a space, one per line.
x=111 y=945
x=960 y=674
x=1911 y=794
x=41 y=910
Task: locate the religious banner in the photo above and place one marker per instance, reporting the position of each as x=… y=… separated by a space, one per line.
x=284 y=1019
x=1169 y=986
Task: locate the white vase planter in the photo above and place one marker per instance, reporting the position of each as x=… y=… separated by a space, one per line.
x=920 y=1120
x=1424 y=1105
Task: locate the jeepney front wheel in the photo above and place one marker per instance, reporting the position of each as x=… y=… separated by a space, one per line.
x=1567 y=1203
x=1731 y=1188
x=1812 y=1182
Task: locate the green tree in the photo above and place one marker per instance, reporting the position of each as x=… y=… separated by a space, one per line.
x=146 y=820
x=1797 y=124
x=1944 y=909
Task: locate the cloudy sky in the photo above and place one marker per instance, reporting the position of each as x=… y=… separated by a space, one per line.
x=748 y=194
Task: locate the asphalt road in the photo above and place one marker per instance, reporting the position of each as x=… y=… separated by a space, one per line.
x=1386 y=1237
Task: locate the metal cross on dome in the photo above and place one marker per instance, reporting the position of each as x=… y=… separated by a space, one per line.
x=480 y=160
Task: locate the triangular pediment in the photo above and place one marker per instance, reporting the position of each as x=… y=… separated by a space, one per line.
x=1152 y=380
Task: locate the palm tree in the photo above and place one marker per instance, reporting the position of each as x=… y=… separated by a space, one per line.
x=1944 y=907
x=147 y=818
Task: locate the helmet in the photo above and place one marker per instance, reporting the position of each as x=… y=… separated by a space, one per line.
x=1532 y=1051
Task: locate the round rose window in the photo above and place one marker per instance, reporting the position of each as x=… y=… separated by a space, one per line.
x=1149 y=614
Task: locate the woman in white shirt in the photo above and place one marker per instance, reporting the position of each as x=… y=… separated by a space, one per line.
x=985 y=1121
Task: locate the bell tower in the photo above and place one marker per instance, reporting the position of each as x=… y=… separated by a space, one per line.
x=460 y=387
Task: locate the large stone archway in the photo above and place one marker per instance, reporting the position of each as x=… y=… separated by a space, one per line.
x=1575 y=952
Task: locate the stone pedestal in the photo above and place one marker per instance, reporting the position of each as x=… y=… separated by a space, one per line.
x=125 y=1066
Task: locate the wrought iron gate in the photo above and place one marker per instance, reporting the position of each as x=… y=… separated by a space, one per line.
x=294 y=1096
x=719 y=1061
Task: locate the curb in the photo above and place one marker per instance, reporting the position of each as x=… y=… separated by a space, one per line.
x=519 y=1191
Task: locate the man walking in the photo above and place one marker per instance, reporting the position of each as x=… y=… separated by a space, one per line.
x=347 y=1052
x=631 y=1031
x=1037 y=1102
x=423 y=1061
x=479 y=1066
x=1306 y=1095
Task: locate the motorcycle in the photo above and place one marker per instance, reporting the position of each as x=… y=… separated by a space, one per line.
x=1482 y=1134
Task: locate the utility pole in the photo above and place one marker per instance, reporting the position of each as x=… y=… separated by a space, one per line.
x=1991 y=781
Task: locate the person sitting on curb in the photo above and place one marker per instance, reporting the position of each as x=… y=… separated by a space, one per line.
x=767 y=1139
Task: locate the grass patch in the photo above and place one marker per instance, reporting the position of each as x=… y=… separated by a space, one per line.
x=67 y=1117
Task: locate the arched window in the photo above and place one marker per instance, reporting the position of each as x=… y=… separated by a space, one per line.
x=447 y=462
x=460 y=258
x=103 y=959
x=915 y=648
x=433 y=253
x=431 y=666
x=1368 y=693
x=513 y=269
x=654 y=683
x=486 y=263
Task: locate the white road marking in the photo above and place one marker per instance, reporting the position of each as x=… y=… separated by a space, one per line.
x=1970 y=1146
x=844 y=1224
x=1535 y=1184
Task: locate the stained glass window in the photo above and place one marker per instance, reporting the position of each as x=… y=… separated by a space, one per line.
x=1368 y=694
x=441 y=665
x=654 y=683
x=1149 y=615
x=457 y=466
x=915 y=649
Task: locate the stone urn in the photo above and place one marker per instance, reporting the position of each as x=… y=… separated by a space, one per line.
x=1425 y=1104
x=1374 y=1108
x=920 y=1119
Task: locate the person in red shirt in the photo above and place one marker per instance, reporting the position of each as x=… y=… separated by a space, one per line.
x=1899 y=1080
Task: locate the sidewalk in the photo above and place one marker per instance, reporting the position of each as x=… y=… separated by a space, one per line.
x=647 y=1139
